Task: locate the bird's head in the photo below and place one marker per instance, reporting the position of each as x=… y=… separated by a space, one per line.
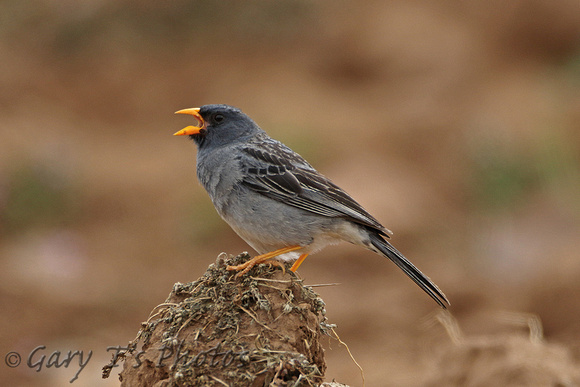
x=217 y=125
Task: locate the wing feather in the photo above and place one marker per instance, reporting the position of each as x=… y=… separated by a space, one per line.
x=275 y=171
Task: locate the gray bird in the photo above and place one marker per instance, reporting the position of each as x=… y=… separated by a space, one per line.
x=276 y=201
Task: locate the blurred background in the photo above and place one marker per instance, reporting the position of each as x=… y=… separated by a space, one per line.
x=456 y=123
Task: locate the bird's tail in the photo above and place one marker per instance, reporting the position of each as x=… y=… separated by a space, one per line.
x=404 y=264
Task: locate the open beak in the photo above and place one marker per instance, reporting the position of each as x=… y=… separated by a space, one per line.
x=192 y=130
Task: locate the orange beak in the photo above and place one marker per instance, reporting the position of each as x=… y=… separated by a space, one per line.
x=192 y=130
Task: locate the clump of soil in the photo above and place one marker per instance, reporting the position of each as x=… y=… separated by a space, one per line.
x=261 y=329
x=503 y=360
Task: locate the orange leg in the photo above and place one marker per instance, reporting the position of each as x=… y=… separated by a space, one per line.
x=298 y=263
x=246 y=266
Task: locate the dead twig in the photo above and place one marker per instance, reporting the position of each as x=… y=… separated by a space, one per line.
x=362 y=373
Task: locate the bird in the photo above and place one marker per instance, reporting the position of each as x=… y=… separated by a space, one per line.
x=276 y=201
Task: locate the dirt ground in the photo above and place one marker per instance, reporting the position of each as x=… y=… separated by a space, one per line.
x=457 y=124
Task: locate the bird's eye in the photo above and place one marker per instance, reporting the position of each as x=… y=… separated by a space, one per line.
x=218 y=118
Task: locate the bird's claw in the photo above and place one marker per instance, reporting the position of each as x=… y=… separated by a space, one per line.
x=248 y=265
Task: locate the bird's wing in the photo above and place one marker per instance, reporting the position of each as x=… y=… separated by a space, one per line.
x=275 y=171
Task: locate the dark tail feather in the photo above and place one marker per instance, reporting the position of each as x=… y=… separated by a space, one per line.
x=415 y=274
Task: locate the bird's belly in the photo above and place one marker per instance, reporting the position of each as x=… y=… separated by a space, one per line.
x=291 y=228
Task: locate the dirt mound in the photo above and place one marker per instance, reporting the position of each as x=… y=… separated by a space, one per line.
x=503 y=360
x=261 y=329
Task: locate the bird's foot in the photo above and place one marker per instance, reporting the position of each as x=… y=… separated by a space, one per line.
x=298 y=263
x=248 y=265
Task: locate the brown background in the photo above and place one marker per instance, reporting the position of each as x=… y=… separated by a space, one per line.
x=457 y=124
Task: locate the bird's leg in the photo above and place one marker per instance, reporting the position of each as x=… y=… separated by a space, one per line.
x=246 y=266
x=298 y=262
